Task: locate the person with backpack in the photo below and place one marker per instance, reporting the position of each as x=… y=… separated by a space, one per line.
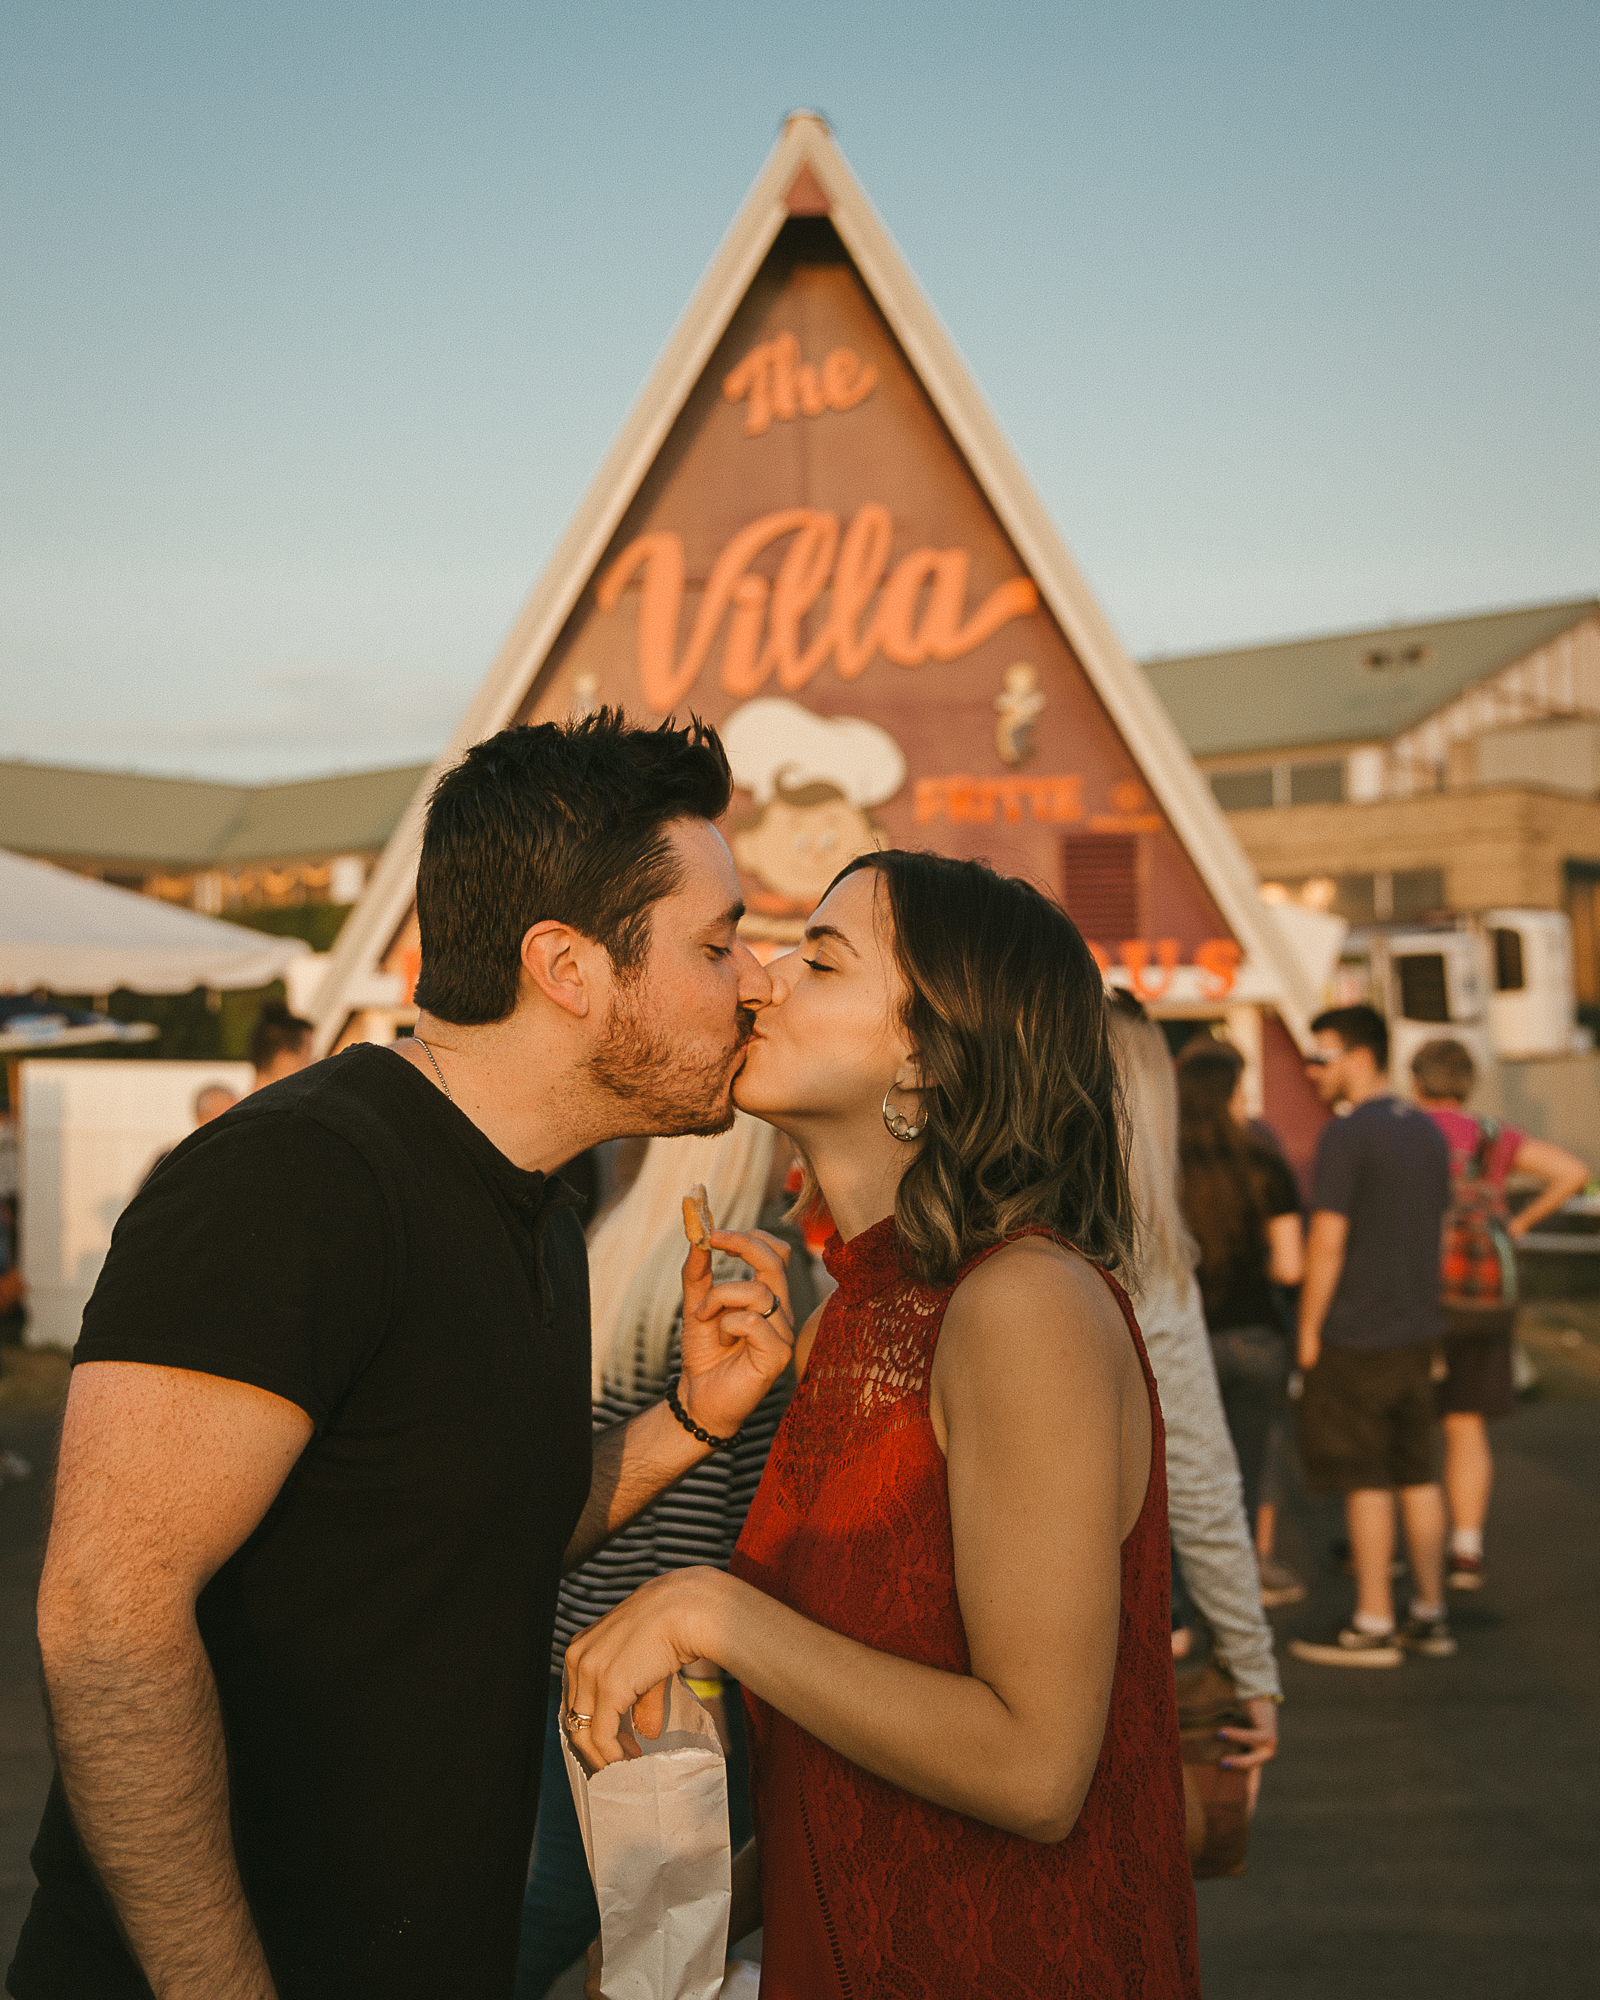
x=1478 y=1283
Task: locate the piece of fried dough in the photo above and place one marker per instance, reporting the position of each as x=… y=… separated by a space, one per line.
x=697 y=1223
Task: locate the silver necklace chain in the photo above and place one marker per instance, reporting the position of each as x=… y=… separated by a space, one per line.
x=439 y=1073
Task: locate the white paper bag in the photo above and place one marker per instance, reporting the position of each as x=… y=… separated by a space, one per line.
x=655 y=1833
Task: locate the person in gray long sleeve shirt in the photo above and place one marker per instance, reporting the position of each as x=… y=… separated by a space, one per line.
x=1205 y=1498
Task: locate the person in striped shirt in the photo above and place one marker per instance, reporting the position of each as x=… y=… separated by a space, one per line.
x=635 y=1260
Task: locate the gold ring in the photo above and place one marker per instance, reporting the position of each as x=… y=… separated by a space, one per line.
x=577 y=1721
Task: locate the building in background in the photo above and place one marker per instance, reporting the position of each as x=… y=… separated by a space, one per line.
x=225 y=850
x=811 y=532
x=1415 y=773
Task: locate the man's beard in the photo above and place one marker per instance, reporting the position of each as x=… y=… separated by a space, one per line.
x=673 y=1096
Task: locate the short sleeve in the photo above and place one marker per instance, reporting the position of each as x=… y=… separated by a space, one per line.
x=261 y=1250
x=1278 y=1192
x=1506 y=1148
x=1333 y=1184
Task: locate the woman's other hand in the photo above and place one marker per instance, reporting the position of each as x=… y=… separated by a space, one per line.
x=737 y=1336
x=621 y=1666
x=1259 y=1744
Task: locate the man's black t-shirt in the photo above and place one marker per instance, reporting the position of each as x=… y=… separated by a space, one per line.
x=347 y=1239
x=1386 y=1169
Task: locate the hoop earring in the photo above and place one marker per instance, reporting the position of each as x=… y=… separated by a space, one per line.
x=898 y=1125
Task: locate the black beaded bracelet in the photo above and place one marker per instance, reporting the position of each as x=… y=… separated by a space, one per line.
x=694 y=1430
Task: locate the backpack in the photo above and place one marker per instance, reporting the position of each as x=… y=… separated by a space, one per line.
x=1478 y=1262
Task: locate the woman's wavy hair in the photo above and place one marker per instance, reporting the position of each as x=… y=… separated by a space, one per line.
x=1006 y=1012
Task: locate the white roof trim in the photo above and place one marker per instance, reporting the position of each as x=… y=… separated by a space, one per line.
x=1133 y=704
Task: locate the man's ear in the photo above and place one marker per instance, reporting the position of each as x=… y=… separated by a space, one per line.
x=559 y=962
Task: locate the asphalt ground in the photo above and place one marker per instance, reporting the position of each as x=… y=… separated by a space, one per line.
x=1427 y=1833
x=1432 y=1832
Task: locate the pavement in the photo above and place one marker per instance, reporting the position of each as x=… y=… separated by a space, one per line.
x=1429 y=1833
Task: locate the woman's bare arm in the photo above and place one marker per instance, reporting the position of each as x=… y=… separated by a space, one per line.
x=1042 y=1407
x=1286 y=1249
x=1563 y=1174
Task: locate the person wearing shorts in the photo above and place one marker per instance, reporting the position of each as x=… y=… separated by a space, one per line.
x=1370 y=1325
x=1478 y=1385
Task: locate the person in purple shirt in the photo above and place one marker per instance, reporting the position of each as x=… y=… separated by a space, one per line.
x=1370 y=1322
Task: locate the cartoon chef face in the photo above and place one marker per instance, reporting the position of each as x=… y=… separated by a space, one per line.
x=801 y=838
x=812 y=779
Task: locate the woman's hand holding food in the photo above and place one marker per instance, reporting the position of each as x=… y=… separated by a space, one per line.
x=738 y=1336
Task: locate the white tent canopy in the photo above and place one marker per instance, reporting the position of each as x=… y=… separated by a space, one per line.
x=67 y=934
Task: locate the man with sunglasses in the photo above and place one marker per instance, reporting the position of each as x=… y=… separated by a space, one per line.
x=1370 y=1324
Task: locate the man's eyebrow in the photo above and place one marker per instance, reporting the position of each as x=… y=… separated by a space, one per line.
x=815 y=932
x=730 y=916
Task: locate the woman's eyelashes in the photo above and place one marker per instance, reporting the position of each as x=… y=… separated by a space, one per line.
x=819 y=965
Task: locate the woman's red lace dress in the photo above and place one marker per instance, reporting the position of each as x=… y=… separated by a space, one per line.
x=865 y=1889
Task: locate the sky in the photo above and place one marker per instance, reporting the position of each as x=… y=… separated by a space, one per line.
x=318 y=320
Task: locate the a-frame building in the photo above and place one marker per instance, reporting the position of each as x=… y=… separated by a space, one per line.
x=812 y=533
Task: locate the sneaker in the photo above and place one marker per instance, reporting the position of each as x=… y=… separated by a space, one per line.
x=1464 y=1573
x=1279 y=1584
x=1351 y=1648
x=1429 y=1636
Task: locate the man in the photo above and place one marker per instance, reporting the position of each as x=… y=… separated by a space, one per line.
x=280 y=1045
x=1369 y=1326
x=327 y=1444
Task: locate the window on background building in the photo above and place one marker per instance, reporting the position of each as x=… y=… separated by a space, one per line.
x=1417 y=892
x=1243 y=791
x=1102 y=885
x=1424 y=989
x=1355 y=899
x=1316 y=784
x=1583 y=908
x=1508 y=973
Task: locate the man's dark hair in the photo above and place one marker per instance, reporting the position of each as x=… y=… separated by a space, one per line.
x=276 y=1033
x=1357 y=1028
x=563 y=822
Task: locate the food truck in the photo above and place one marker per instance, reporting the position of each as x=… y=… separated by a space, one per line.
x=812 y=533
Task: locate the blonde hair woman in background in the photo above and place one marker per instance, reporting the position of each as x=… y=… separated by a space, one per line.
x=1205 y=1501
x=636 y=1253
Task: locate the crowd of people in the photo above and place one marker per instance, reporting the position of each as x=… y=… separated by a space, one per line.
x=377 y=1482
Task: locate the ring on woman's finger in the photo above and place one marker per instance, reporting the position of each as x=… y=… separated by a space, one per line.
x=770 y=1309
x=577 y=1721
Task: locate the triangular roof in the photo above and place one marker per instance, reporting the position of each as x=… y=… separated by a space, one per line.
x=1347 y=687
x=806 y=175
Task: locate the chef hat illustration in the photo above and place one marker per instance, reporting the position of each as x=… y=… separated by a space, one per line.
x=774 y=740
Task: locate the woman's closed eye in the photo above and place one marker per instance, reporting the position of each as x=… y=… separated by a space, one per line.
x=819 y=965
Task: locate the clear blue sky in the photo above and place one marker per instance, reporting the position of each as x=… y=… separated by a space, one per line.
x=319 y=318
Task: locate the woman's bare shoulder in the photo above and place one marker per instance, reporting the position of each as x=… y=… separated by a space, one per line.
x=1036 y=1287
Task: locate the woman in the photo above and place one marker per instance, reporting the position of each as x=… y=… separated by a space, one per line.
x=636 y=1310
x=1240 y=1201
x=1478 y=1384
x=949 y=1606
x=1210 y=1536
